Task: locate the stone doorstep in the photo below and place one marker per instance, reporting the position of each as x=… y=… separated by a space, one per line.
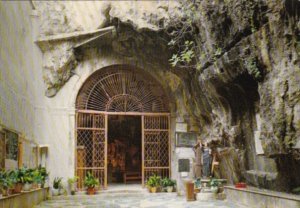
x=83 y=195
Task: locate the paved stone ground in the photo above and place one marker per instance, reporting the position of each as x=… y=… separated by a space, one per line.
x=131 y=198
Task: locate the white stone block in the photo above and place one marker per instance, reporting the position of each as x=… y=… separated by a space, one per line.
x=258 y=146
x=205 y=196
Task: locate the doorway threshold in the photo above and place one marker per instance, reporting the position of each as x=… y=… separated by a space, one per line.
x=125 y=188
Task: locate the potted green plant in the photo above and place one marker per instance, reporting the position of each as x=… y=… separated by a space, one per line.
x=44 y=175
x=214 y=184
x=90 y=182
x=5 y=182
x=17 y=177
x=154 y=183
x=168 y=184
x=35 y=174
x=27 y=180
x=57 y=184
x=37 y=178
x=72 y=184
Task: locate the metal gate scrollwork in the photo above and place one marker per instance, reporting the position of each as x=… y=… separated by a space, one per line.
x=91 y=146
x=156 y=148
x=121 y=90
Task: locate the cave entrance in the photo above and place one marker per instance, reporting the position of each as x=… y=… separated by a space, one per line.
x=122 y=107
x=124 y=149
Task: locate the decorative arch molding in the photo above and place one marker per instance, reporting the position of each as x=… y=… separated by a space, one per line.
x=122 y=88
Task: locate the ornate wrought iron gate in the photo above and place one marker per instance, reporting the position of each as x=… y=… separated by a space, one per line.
x=155 y=146
x=91 y=143
x=121 y=90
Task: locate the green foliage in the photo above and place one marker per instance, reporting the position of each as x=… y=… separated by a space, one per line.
x=72 y=180
x=154 y=181
x=183 y=32
x=36 y=176
x=22 y=175
x=214 y=182
x=90 y=181
x=6 y=181
x=57 y=183
x=185 y=56
x=44 y=174
x=165 y=182
x=252 y=68
x=28 y=176
x=218 y=52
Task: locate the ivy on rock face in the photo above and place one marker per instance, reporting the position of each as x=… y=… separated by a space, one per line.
x=185 y=56
x=252 y=68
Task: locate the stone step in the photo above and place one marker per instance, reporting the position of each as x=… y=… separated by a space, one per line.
x=261 y=198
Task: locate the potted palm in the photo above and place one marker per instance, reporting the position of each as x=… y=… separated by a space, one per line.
x=90 y=182
x=154 y=183
x=72 y=184
x=28 y=180
x=56 y=186
x=168 y=184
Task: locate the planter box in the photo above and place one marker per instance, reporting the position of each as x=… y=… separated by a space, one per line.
x=25 y=199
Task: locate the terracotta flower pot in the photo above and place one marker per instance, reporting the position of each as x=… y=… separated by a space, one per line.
x=5 y=192
x=153 y=189
x=18 y=188
x=11 y=191
x=91 y=191
x=34 y=186
x=241 y=185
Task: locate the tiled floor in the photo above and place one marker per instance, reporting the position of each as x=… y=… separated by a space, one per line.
x=131 y=196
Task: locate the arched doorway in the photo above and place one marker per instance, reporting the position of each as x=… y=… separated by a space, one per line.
x=121 y=92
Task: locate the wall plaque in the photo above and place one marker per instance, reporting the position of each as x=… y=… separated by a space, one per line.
x=181 y=127
x=183 y=165
x=186 y=139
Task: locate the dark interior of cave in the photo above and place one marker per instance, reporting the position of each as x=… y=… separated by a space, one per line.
x=124 y=147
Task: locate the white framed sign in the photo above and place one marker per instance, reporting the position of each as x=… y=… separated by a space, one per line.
x=181 y=127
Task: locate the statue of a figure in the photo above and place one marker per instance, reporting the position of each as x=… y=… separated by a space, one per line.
x=206 y=160
x=198 y=159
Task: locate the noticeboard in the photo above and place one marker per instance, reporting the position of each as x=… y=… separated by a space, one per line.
x=186 y=139
x=183 y=165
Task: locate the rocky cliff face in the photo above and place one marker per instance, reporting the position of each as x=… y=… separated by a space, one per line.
x=250 y=74
x=247 y=85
